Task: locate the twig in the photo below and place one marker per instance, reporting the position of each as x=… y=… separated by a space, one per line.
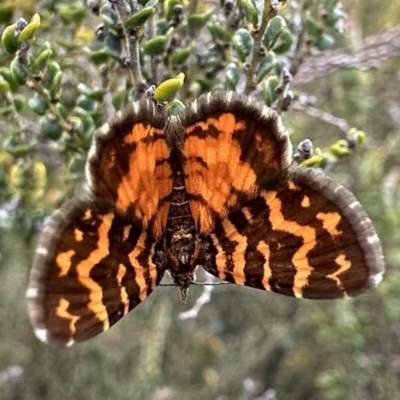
x=371 y=54
x=124 y=11
x=322 y=115
x=257 y=46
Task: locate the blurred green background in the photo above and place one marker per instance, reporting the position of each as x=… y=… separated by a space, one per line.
x=243 y=344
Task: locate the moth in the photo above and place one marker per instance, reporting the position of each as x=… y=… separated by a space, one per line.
x=212 y=187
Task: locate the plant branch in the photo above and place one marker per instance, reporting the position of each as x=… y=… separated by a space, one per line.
x=124 y=11
x=257 y=46
x=322 y=115
x=371 y=54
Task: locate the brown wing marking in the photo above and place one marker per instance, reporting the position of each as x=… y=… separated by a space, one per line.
x=308 y=238
x=130 y=166
x=231 y=147
x=91 y=267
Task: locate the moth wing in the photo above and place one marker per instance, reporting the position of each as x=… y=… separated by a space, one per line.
x=91 y=267
x=231 y=146
x=129 y=166
x=308 y=238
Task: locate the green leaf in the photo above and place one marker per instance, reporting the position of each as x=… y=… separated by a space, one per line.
x=219 y=33
x=6 y=12
x=325 y=42
x=113 y=46
x=19 y=102
x=29 y=31
x=276 y=27
x=9 y=40
x=38 y=104
x=249 y=9
x=180 y=56
x=168 y=89
x=314 y=28
x=169 y=8
x=197 y=21
x=138 y=19
x=16 y=147
x=76 y=166
x=155 y=46
x=108 y=16
x=285 y=42
x=232 y=74
x=99 y=57
x=55 y=85
x=162 y=27
x=72 y=13
x=62 y=111
x=52 y=69
x=266 y=65
x=84 y=128
x=86 y=104
x=4 y=86
x=269 y=89
x=243 y=43
x=151 y=3
x=10 y=78
x=40 y=61
x=49 y=127
x=119 y=99
x=95 y=94
x=19 y=71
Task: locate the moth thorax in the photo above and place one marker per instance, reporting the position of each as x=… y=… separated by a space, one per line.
x=182 y=246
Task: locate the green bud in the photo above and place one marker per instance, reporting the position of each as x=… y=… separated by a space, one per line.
x=29 y=31
x=340 y=148
x=356 y=136
x=168 y=89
